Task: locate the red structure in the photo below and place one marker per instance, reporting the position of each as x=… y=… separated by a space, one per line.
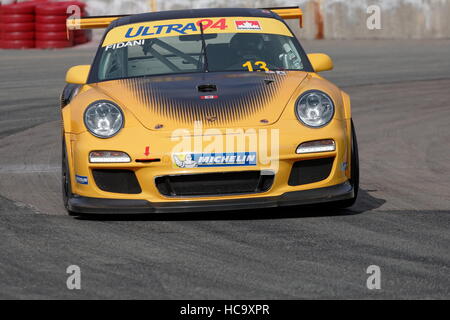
x=39 y=24
x=17 y=25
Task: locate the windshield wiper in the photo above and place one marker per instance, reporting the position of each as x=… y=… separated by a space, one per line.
x=203 y=53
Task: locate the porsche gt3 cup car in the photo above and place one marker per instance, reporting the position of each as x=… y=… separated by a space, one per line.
x=200 y=110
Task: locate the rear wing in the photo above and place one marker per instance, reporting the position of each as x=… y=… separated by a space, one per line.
x=288 y=13
x=102 y=22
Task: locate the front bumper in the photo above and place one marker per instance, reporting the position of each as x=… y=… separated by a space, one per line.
x=88 y=205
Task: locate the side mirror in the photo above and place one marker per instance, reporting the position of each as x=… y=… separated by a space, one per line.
x=78 y=74
x=320 y=62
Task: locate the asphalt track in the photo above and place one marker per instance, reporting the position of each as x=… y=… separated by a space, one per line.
x=401 y=105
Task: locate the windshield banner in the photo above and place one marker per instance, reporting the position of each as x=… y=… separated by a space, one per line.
x=179 y=27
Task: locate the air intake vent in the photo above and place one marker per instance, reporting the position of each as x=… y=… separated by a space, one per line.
x=214 y=184
x=207 y=88
x=117 y=181
x=309 y=171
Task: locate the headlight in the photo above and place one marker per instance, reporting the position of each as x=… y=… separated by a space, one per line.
x=315 y=109
x=103 y=119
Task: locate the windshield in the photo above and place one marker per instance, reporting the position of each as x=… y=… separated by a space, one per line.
x=147 y=53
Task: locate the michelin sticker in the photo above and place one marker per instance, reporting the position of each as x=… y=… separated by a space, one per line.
x=201 y=160
x=81 y=179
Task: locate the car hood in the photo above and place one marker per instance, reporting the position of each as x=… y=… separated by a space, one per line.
x=222 y=99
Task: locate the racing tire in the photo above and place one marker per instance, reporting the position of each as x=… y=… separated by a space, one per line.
x=53 y=36
x=57 y=8
x=17 y=27
x=51 y=19
x=79 y=33
x=50 y=27
x=54 y=19
x=16 y=44
x=82 y=37
x=28 y=35
x=18 y=8
x=47 y=44
x=81 y=40
x=354 y=178
x=16 y=18
x=65 y=180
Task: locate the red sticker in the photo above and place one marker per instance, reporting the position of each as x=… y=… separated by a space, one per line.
x=209 y=97
x=247 y=25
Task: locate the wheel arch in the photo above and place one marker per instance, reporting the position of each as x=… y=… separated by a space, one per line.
x=347 y=105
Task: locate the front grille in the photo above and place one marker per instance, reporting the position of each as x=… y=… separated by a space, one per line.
x=309 y=171
x=117 y=181
x=214 y=184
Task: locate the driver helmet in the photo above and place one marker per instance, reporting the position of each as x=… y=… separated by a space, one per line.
x=247 y=45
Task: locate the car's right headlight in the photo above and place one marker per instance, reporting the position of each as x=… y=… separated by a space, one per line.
x=103 y=119
x=315 y=109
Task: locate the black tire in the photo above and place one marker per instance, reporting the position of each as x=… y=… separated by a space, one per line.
x=65 y=179
x=354 y=179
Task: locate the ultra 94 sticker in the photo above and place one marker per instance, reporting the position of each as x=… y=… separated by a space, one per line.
x=209 y=23
x=189 y=26
x=176 y=28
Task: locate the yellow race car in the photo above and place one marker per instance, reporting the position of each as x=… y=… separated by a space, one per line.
x=201 y=110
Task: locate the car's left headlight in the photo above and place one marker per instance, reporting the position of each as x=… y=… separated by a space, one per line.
x=103 y=119
x=314 y=109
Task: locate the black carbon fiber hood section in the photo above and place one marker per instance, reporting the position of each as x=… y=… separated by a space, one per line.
x=241 y=98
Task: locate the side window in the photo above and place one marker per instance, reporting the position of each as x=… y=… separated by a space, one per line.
x=290 y=58
x=111 y=65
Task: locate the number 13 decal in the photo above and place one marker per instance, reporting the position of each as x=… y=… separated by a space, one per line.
x=260 y=64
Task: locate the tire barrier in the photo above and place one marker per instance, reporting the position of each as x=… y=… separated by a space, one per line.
x=16 y=18
x=18 y=8
x=17 y=25
x=56 y=44
x=49 y=27
x=39 y=24
x=26 y=35
x=51 y=19
x=16 y=44
x=57 y=8
x=82 y=36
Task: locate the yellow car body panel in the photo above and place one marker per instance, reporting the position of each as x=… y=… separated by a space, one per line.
x=135 y=137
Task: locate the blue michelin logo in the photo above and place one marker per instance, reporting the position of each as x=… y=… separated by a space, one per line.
x=202 y=160
x=81 y=179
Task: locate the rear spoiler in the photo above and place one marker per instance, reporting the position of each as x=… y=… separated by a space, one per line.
x=102 y=22
x=288 y=13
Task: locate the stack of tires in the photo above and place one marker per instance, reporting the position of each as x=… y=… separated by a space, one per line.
x=39 y=24
x=17 y=25
x=51 y=29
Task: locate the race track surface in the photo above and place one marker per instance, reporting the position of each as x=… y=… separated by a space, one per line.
x=401 y=105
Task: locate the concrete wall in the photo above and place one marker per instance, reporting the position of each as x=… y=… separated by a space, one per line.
x=342 y=19
x=400 y=19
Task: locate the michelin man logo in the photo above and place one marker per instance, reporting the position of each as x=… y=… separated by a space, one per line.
x=188 y=162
